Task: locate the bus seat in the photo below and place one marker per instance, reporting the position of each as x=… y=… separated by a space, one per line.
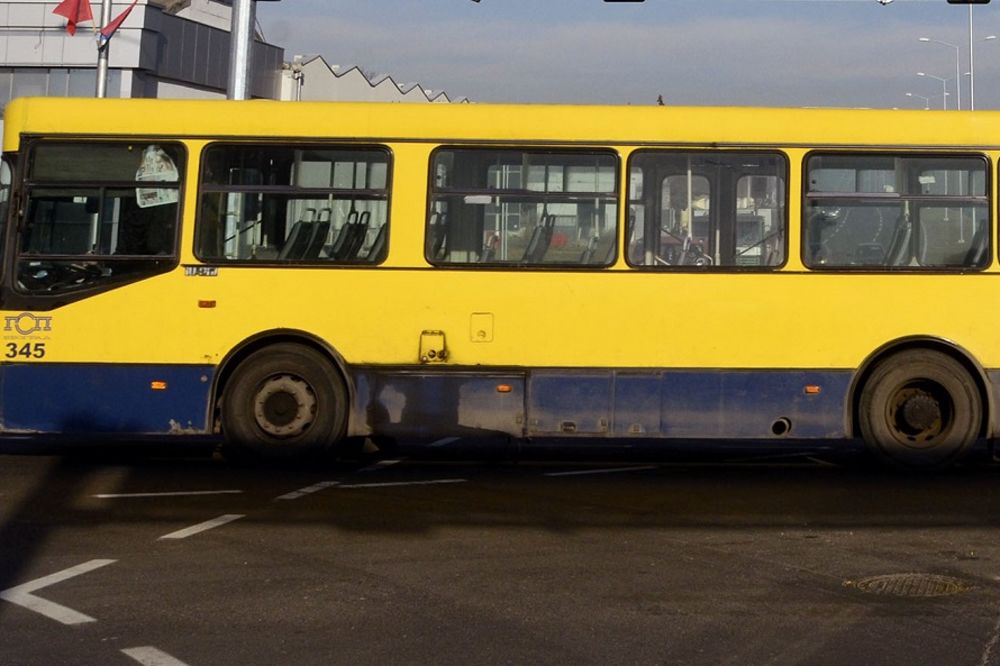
x=550 y=226
x=297 y=241
x=978 y=247
x=489 y=252
x=533 y=240
x=899 y=249
x=355 y=238
x=342 y=235
x=587 y=256
x=359 y=235
x=437 y=240
x=541 y=238
x=316 y=240
x=378 y=246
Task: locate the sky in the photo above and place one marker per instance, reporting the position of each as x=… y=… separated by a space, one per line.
x=829 y=53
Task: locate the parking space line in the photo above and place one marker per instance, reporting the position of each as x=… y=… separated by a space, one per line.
x=150 y=656
x=179 y=493
x=392 y=484
x=201 y=527
x=606 y=470
x=21 y=595
x=308 y=490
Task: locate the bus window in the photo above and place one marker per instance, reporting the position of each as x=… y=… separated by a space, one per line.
x=707 y=208
x=294 y=204
x=896 y=211
x=521 y=207
x=97 y=214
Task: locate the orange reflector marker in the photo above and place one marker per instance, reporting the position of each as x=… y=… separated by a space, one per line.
x=206 y=304
x=158 y=386
x=504 y=388
x=812 y=389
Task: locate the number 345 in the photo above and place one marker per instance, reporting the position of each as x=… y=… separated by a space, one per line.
x=26 y=350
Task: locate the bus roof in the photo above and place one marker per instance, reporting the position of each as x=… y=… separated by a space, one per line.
x=611 y=125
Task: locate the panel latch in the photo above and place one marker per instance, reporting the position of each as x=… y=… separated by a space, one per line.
x=432 y=347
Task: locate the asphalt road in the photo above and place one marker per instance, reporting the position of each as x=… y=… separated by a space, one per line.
x=452 y=554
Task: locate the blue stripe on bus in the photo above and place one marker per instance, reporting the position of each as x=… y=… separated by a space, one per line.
x=104 y=398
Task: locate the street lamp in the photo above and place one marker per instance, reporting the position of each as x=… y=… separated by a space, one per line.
x=927 y=100
x=958 y=65
x=944 y=87
x=241 y=36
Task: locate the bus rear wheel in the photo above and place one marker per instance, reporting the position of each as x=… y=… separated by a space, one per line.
x=286 y=399
x=920 y=409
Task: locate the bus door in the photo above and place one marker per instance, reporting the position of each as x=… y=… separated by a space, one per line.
x=6 y=181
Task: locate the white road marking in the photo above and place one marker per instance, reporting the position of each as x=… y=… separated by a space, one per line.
x=295 y=494
x=22 y=594
x=201 y=527
x=150 y=656
x=987 y=653
x=608 y=470
x=400 y=483
x=180 y=493
x=381 y=464
x=445 y=442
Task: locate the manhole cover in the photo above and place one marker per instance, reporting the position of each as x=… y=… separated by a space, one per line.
x=911 y=585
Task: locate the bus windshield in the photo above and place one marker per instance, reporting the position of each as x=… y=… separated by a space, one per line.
x=5 y=180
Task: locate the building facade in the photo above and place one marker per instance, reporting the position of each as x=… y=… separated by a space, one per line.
x=164 y=48
x=167 y=49
x=313 y=79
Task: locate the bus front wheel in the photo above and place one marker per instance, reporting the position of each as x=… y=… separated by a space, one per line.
x=920 y=409
x=286 y=399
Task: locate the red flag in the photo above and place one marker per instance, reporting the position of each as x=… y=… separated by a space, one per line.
x=75 y=11
x=109 y=30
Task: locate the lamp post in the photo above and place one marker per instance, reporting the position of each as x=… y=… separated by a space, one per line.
x=944 y=87
x=927 y=100
x=958 y=66
x=972 y=75
x=972 y=68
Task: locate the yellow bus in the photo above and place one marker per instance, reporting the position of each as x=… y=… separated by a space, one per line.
x=294 y=274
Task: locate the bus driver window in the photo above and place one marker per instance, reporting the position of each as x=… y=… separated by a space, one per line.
x=98 y=214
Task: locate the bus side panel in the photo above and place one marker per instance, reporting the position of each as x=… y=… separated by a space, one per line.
x=745 y=404
x=442 y=403
x=566 y=402
x=93 y=398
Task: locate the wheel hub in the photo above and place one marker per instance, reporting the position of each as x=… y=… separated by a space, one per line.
x=920 y=412
x=284 y=406
x=918 y=415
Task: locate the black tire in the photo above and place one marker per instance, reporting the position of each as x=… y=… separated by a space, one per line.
x=286 y=399
x=920 y=409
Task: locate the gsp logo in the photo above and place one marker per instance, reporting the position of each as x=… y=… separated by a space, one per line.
x=27 y=323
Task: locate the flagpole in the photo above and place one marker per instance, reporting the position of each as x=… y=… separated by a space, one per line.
x=102 y=52
x=241 y=49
